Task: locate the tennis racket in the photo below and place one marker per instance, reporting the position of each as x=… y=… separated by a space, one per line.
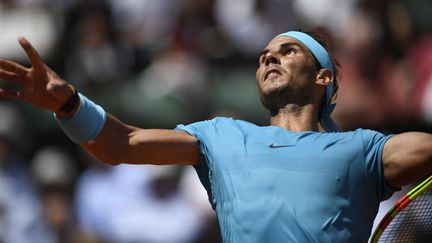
x=410 y=219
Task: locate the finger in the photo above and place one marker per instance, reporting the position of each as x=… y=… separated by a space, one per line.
x=34 y=57
x=13 y=67
x=52 y=73
x=10 y=76
x=10 y=94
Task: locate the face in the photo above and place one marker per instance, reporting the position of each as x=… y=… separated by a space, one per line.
x=287 y=73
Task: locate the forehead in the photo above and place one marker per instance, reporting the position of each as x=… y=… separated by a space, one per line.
x=285 y=40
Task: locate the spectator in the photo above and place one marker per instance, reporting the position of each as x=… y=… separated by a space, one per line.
x=130 y=203
x=21 y=219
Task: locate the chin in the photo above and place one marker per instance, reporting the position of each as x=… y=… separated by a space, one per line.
x=273 y=101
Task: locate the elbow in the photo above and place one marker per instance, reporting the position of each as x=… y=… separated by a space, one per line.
x=107 y=159
x=115 y=157
x=112 y=162
x=106 y=156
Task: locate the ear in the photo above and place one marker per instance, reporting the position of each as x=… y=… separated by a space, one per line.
x=324 y=77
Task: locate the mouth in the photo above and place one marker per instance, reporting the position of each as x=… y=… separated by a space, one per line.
x=267 y=73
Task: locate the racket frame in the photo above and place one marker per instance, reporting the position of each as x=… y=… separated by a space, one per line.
x=401 y=204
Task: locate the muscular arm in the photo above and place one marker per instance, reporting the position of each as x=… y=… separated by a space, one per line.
x=120 y=143
x=117 y=142
x=407 y=157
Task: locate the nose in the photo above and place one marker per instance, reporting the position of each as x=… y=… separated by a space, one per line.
x=271 y=58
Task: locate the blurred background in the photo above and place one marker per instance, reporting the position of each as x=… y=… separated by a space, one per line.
x=159 y=63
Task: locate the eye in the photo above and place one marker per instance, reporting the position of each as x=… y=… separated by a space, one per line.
x=290 y=51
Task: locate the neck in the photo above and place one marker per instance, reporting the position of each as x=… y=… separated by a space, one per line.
x=296 y=118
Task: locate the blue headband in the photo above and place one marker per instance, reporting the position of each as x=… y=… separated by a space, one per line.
x=320 y=53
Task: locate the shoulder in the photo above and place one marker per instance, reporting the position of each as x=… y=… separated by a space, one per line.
x=359 y=134
x=220 y=122
x=371 y=137
x=365 y=138
x=217 y=125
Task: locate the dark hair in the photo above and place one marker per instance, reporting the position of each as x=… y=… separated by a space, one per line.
x=334 y=61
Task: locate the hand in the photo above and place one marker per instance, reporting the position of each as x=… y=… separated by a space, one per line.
x=39 y=85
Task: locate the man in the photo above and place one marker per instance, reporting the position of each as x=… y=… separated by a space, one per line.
x=286 y=182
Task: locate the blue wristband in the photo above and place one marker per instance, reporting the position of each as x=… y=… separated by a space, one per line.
x=86 y=124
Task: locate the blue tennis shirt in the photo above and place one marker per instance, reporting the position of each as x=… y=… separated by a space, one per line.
x=271 y=185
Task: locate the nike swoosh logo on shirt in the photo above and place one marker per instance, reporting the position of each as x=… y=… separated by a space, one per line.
x=280 y=146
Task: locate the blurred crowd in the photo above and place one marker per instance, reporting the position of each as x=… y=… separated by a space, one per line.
x=158 y=63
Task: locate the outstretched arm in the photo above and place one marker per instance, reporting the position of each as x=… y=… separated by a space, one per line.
x=116 y=142
x=407 y=157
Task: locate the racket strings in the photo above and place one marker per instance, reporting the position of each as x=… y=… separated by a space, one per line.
x=413 y=223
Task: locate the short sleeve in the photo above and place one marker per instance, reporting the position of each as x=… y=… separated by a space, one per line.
x=373 y=143
x=202 y=132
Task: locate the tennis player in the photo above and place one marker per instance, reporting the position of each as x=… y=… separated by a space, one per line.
x=286 y=182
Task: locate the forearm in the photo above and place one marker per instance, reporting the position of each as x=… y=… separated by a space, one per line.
x=87 y=124
x=111 y=141
x=111 y=144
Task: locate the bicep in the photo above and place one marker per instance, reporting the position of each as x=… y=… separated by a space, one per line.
x=407 y=158
x=121 y=143
x=158 y=146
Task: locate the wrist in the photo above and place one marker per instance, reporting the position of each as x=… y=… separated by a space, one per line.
x=70 y=107
x=87 y=122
